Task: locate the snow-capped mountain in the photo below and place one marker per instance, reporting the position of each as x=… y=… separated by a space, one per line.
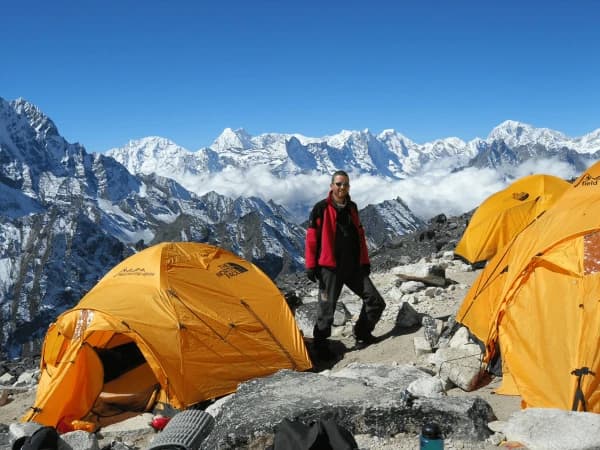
x=516 y=134
x=67 y=217
x=388 y=154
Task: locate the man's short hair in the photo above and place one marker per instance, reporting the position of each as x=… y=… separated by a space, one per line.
x=339 y=172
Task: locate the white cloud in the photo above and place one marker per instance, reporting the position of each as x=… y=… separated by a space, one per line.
x=426 y=195
x=548 y=166
x=296 y=193
x=432 y=194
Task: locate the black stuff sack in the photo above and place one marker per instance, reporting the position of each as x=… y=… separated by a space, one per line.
x=45 y=438
x=320 y=435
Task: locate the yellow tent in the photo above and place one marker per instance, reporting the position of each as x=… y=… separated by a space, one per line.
x=537 y=302
x=504 y=214
x=177 y=323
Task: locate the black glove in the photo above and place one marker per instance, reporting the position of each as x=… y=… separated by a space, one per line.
x=366 y=269
x=311 y=274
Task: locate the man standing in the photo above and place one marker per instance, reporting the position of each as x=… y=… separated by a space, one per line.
x=336 y=254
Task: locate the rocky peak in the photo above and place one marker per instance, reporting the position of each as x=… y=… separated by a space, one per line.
x=232 y=140
x=36 y=119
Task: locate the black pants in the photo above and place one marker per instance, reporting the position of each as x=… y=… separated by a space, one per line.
x=330 y=288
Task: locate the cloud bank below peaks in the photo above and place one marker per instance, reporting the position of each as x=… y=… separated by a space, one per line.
x=428 y=194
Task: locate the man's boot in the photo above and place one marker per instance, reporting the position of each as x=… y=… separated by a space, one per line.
x=363 y=337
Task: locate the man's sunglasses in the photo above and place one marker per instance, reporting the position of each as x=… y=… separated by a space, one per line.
x=340 y=184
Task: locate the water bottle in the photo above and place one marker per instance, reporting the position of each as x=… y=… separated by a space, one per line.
x=431 y=437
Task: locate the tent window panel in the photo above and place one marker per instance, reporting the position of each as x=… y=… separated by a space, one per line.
x=591 y=253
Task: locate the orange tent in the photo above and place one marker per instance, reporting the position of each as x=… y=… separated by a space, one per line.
x=504 y=214
x=177 y=323
x=537 y=302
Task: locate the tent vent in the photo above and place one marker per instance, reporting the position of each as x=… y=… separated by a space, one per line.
x=521 y=196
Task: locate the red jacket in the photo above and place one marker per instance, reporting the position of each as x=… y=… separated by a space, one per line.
x=320 y=235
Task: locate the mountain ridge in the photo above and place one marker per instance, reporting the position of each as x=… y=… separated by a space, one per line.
x=388 y=154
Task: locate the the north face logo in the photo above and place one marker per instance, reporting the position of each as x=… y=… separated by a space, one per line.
x=134 y=271
x=230 y=270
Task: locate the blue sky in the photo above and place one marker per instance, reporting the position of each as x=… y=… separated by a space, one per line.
x=107 y=72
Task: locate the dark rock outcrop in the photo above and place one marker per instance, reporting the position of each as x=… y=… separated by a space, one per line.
x=441 y=233
x=248 y=418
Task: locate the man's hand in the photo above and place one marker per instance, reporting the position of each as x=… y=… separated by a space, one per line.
x=311 y=274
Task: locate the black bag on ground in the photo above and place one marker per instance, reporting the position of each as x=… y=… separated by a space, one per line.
x=321 y=435
x=45 y=438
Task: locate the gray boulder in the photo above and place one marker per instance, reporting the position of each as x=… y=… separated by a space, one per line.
x=362 y=404
x=552 y=429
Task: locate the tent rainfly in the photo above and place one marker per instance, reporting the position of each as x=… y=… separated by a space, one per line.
x=536 y=304
x=504 y=214
x=175 y=324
